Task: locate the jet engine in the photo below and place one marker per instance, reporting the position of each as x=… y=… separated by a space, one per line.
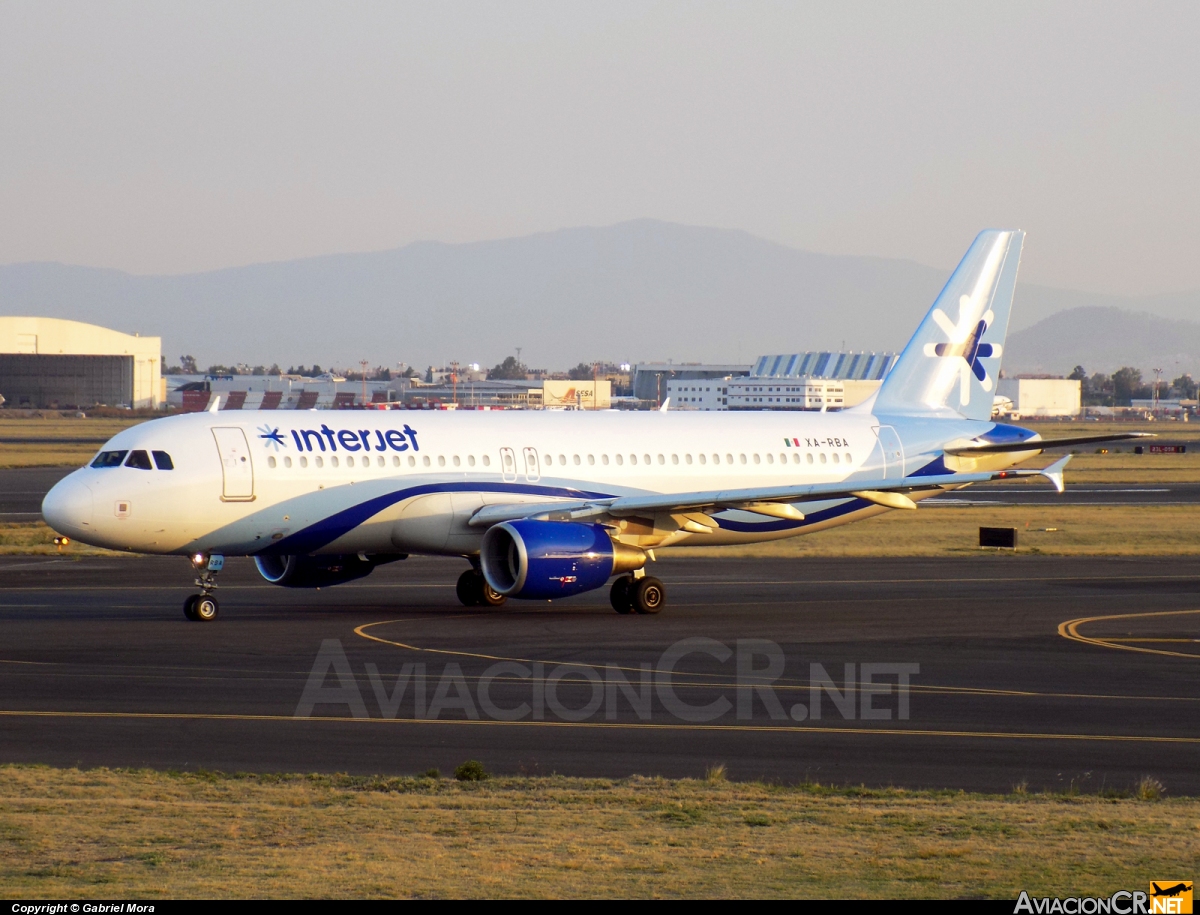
x=540 y=560
x=317 y=571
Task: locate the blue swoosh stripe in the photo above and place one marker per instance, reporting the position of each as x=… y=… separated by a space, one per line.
x=836 y=511
x=341 y=523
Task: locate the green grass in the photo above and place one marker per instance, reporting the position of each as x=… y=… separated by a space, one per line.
x=69 y=833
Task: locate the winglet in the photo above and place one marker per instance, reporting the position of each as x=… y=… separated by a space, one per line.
x=216 y=404
x=666 y=403
x=1054 y=473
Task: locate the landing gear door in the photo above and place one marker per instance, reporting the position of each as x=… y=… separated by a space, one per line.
x=508 y=465
x=893 y=453
x=236 y=470
x=533 y=471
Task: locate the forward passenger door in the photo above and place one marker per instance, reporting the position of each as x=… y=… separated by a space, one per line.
x=237 y=473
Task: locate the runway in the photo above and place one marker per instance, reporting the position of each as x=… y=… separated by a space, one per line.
x=1045 y=671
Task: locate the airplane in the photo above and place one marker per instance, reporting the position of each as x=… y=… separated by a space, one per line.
x=545 y=505
x=1170 y=890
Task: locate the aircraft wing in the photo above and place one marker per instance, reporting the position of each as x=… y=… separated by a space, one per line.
x=1042 y=444
x=776 y=501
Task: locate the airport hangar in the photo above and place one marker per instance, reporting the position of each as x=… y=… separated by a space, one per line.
x=51 y=363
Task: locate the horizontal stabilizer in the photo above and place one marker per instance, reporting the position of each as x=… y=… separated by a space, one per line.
x=1042 y=444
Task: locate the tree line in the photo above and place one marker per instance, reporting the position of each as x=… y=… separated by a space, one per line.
x=1126 y=385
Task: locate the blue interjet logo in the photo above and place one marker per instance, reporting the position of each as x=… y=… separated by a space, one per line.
x=272 y=436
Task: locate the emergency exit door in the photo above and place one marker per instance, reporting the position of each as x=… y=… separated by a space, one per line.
x=237 y=473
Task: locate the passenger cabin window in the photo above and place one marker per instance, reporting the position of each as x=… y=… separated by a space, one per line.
x=162 y=460
x=110 y=459
x=139 y=460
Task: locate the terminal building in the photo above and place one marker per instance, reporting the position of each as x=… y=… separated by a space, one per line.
x=50 y=363
x=192 y=393
x=794 y=381
x=1018 y=397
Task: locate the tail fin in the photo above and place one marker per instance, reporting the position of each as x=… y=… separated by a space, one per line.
x=951 y=363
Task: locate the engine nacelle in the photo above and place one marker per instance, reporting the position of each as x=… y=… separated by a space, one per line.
x=314 y=571
x=540 y=560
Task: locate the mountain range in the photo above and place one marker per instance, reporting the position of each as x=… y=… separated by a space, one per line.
x=636 y=291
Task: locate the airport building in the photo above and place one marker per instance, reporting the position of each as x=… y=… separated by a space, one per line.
x=50 y=363
x=191 y=393
x=1018 y=397
x=795 y=381
x=652 y=380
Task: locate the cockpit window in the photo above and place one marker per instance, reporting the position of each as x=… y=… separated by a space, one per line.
x=139 y=460
x=109 y=459
x=163 y=460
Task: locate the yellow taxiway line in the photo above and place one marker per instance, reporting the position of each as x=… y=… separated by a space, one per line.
x=1070 y=630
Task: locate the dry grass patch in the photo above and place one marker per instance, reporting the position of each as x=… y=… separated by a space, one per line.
x=55 y=426
x=1081 y=530
x=36 y=538
x=71 y=833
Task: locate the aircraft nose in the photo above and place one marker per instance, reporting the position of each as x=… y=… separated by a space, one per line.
x=68 y=507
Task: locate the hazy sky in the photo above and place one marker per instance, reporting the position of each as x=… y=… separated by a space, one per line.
x=170 y=137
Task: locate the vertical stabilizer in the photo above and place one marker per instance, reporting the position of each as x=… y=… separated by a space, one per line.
x=951 y=364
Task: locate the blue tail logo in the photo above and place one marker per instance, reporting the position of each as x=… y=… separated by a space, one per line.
x=963 y=343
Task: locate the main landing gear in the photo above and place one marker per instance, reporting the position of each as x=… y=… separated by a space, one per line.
x=474 y=591
x=203 y=607
x=638 y=595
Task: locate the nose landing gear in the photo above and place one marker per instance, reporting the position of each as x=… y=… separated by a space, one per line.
x=203 y=607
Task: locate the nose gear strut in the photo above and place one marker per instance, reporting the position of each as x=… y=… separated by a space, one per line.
x=203 y=607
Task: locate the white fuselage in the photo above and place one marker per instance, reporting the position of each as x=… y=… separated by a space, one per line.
x=311 y=482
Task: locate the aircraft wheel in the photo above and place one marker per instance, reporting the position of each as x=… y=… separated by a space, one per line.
x=648 y=595
x=206 y=608
x=491 y=597
x=470 y=588
x=620 y=596
x=189 y=607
